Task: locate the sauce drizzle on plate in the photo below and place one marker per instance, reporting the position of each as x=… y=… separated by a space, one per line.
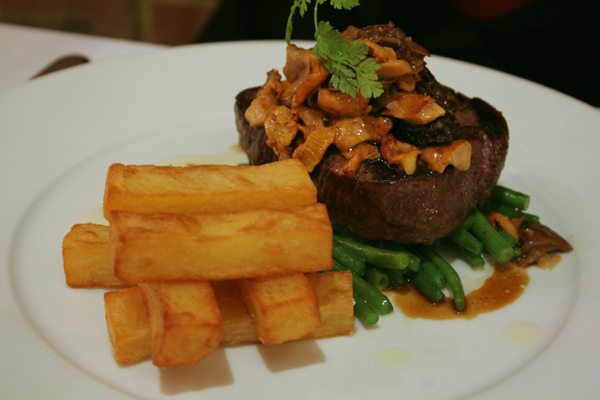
x=503 y=287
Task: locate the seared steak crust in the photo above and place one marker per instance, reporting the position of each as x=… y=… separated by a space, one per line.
x=381 y=201
x=253 y=140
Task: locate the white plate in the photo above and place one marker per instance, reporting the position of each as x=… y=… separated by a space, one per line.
x=60 y=133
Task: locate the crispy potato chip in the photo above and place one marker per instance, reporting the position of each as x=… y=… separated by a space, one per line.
x=185 y=322
x=237 y=323
x=86 y=258
x=336 y=303
x=128 y=325
x=282 y=308
x=207 y=188
x=336 y=306
x=218 y=246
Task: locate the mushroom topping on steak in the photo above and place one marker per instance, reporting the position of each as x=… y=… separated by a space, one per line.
x=407 y=166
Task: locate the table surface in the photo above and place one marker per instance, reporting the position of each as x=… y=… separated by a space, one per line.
x=24 y=51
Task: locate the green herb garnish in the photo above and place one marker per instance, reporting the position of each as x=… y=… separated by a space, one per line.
x=351 y=71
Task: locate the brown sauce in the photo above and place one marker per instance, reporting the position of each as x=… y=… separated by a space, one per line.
x=503 y=287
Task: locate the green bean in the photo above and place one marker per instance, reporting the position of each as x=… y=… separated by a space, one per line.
x=374 y=298
x=467 y=223
x=433 y=243
x=413 y=259
x=377 y=278
x=493 y=241
x=510 y=212
x=509 y=238
x=338 y=266
x=364 y=312
x=425 y=286
x=454 y=282
x=510 y=197
x=433 y=272
x=476 y=260
x=464 y=238
x=513 y=242
x=349 y=258
x=396 y=278
x=382 y=258
x=341 y=232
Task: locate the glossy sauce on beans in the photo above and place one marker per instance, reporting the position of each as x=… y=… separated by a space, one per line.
x=503 y=287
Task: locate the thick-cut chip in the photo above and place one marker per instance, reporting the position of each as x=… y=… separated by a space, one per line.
x=207 y=188
x=86 y=258
x=185 y=322
x=218 y=246
x=336 y=303
x=128 y=325
x=336 y=306
x=237 y=323
x=282 y=308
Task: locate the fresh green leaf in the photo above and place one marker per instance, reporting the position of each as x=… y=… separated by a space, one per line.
x=368 y=81
x=352 y=72
x=344 y=4
x=302 y=6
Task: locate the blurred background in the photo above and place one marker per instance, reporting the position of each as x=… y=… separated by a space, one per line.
x=552 y=42
x=169 y=22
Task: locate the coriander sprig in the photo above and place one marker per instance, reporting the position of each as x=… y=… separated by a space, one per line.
x=301 y=5
x=351 y=71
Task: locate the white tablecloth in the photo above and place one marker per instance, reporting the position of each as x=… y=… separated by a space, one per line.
x=25 y=51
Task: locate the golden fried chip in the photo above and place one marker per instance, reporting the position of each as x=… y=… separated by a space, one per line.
x=282 y=308
x=86 y=258
x=336 y=303
x=207 y=188
x=237 y=323
x=128 y=325
x=185 y=322
x=218 y=246
x=336 y=306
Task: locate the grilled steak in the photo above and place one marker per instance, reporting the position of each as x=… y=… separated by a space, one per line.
x=381 y=201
